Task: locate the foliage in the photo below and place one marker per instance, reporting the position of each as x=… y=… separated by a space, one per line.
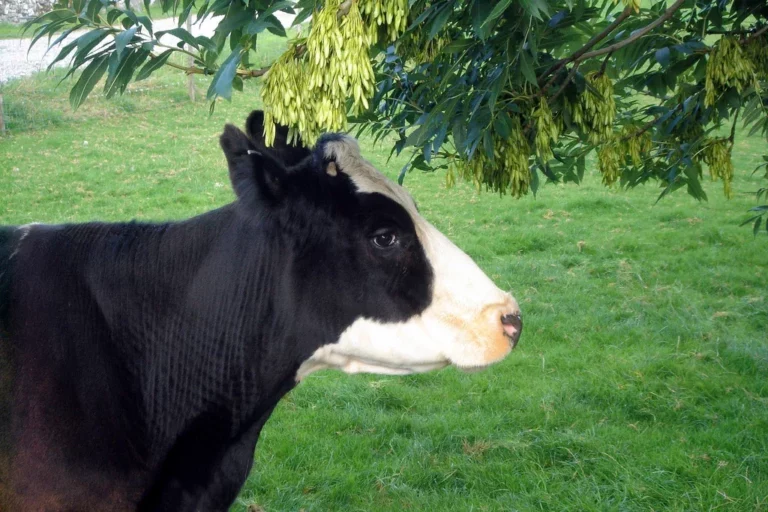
x=505 y=94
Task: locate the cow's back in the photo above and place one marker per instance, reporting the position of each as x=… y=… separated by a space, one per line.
x=49 y=361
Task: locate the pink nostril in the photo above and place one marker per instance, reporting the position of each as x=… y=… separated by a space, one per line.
x=513 y=325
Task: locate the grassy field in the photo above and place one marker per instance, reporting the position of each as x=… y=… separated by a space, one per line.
x=10 y=30
x=641 y=380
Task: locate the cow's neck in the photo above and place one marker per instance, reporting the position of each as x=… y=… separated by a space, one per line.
x=197 y=303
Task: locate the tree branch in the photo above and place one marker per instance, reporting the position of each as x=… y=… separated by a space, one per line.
x=636 y=35
x=344 y=8
x=589 y=44
x=732 y=137
x=565 y=83
x=605 y=63
x=194 y=70
x=756 y=34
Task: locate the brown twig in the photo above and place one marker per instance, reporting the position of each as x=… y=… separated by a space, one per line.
x=732 y=137
x=647 y=126
x=565 y=83
x=344 y=8
x=194 y=70
x=756 y=35
x=252 y=73
x=605 y=63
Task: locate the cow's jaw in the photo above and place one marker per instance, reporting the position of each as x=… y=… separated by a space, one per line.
x=461 y=326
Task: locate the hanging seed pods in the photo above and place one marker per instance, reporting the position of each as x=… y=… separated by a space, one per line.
x=506 y=171
x=635 y=145
x=717 y=155
x=728 y=66
x=547 y=131
x=756 y=51
x=390 y=14
x=634 y=4
x=309 y=91
x=285 y=97
x=594 y=112
x=609 y=161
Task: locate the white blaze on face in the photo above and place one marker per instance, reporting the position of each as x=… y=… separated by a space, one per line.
x=462 y=325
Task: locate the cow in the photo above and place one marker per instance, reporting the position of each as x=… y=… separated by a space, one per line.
x=140 y=361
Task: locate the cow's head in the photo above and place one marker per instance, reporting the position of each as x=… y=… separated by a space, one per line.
x=373 y=286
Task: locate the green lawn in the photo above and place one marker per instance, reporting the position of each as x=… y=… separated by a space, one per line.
x=11 y=30
x=640 y=383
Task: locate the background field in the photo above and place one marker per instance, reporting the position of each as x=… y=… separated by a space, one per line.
x=641 y=380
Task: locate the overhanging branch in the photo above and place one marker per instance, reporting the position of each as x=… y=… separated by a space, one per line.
x=589 y=44
x=635 y=35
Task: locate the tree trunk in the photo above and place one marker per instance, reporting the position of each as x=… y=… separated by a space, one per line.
x=2 y=117
x=190 y=63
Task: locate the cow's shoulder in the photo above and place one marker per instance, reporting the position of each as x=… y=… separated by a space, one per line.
x=9 y=241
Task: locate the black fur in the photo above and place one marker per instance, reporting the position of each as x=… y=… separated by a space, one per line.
x=147 y=357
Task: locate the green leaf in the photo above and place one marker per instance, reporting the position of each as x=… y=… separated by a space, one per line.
x=497 y=11
x=536 y=8
x=417 y=137
x=119 y=79
x=277 y=28
x=88 y=79
x=581 y=166
x=86 y=43
x=502 y=125
x=122 y=39
x=457 y=45
x=181 y=34
x=206 y=42
x=221 y=85
x=438 y=22
x=94 y=8
x=63 y=53
x=54 y=15
x=48 y=30
x=526 y=66
x=662 y=56
x=112 y=16
x=237 y=83
x=153 y=65
x=481 y=9
x=90 y=38
x=236 y=17
x=265 y=18
x=59 y=39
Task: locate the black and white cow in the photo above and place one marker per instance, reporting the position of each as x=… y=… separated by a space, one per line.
x=138 y=362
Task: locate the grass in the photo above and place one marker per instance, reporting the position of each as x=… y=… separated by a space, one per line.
x=641 y=380
x=11 y=30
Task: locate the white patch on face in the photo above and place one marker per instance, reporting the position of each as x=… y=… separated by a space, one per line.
x=462 y=325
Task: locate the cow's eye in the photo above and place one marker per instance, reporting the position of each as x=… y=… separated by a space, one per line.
x=384 y=239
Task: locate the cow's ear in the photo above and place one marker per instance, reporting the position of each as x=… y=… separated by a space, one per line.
x=255 y=174
x=289 y=154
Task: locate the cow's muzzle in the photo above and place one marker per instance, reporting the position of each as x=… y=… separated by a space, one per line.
x=512 y=323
